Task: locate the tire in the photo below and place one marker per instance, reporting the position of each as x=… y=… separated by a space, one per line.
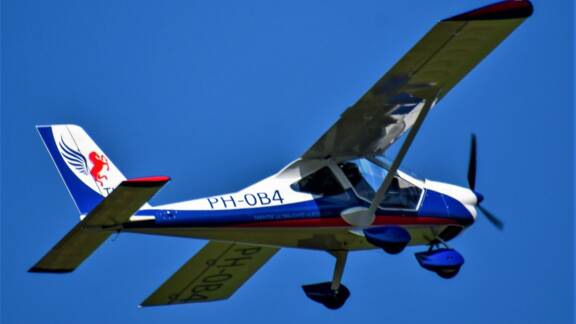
x=448 y=273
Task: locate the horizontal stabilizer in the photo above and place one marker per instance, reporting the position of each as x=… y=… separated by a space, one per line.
x=99 y=224
x=214 y=273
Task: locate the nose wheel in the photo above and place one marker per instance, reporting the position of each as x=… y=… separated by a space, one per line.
x=332 y=294
x=445 y=262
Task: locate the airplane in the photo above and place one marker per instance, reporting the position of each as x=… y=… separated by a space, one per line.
x=341 y=195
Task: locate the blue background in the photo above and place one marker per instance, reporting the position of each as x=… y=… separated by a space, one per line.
x=218 y=95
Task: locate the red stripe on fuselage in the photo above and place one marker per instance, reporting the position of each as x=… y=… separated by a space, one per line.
x=339 y=222
x=407 y=220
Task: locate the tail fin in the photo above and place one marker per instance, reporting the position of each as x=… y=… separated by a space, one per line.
x=87 y=172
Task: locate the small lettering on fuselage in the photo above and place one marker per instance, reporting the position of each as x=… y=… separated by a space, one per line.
x=243 y=200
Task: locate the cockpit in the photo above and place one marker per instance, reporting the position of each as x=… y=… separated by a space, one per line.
x=364 y=178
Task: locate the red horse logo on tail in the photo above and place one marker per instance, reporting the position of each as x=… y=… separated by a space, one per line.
x=98 y=163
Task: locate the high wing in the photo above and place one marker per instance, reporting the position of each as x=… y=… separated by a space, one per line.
x=214 y=273
x=423 y=76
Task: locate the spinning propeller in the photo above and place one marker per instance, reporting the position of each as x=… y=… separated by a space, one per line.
x=472 y=184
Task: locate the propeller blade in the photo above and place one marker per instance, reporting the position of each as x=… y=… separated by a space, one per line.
x=493 y=219
x=472 y=164
x=472 y=183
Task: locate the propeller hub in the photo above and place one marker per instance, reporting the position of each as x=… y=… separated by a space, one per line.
x=479 y=197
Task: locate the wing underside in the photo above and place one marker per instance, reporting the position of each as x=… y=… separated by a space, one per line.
x=214 y=273
x=451 y=49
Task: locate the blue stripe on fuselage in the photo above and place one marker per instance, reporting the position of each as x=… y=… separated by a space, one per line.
x=325 y=207
x=434 y=204
x=308 y=209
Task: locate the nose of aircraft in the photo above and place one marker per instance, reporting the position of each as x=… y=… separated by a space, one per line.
x=469 y=198
x=479 y=197
x=462 y=194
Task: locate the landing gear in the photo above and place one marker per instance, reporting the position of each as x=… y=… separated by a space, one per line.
x=392 y=239
x=333 y=294
x=447 y=273
x=323 y=294
x=445 y=262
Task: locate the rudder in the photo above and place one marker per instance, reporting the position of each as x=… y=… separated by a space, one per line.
x=87 y=172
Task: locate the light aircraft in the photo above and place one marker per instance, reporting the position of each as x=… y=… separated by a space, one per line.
x=341 y=195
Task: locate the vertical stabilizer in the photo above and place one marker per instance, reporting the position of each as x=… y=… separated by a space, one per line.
x=87 y=172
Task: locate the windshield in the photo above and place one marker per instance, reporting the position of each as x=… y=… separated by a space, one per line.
x=405 y=168
x=366 y=177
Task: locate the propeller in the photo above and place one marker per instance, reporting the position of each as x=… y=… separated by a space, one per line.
x=472 y=184
x=472 y=164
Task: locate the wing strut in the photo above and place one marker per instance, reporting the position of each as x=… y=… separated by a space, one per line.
x=381 y=193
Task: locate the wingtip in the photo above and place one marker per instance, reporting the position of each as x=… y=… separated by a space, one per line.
x=509 y=9
x=147 y=304
x=146 y=181
x=36 y=269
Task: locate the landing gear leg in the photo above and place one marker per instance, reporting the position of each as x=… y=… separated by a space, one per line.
x=338 y=269
x=331 y=294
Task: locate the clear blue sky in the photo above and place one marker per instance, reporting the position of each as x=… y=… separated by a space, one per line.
x=220 y=94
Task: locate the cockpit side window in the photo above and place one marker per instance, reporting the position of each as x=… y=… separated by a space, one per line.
x=359 y=183
x=366 y=178
x=321 y=183
x=401 y=194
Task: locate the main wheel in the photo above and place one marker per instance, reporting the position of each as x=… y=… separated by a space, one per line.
x=448 y=273
x=323 y=294
x=394 y=248
x=338 y=299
